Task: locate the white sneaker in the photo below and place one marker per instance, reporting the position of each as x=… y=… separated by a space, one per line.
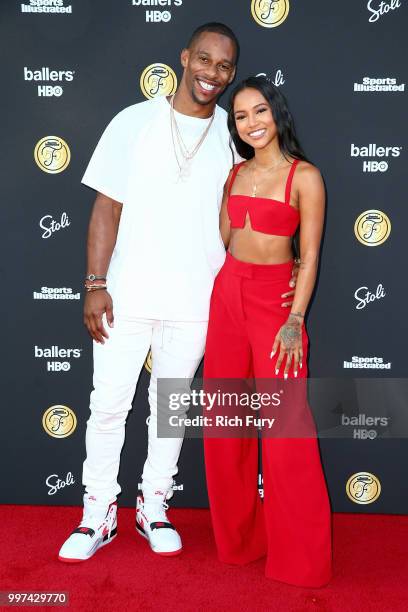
x=97 y=528
x=152 y=523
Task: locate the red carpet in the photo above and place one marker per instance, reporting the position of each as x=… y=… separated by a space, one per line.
x=370 y=567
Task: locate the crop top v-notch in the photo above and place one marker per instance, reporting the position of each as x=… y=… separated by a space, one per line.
x=265 y=214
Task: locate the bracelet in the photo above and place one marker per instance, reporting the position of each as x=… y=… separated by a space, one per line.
x=297 y=314
x=95 y=287
x=89 y=289
x=93 y=277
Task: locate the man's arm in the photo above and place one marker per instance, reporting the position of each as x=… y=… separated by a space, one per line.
x=102 y=234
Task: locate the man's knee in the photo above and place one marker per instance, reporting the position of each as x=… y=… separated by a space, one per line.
x=108 y=409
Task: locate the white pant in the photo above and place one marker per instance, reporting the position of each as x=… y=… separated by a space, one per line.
x=177 y=349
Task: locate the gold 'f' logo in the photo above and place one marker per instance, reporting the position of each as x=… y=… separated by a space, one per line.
x=363 y=488
x=269 y=13
x=158 y=80
x=59 y=421
x=372 y=227
x=52 y=154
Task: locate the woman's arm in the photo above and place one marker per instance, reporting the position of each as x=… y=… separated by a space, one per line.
x=311 y=207
x=225 y=226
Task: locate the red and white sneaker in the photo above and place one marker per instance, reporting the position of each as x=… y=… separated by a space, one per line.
x=152 y=523
x=97 y=528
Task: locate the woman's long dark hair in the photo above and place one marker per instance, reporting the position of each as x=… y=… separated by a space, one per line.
x=288 y=142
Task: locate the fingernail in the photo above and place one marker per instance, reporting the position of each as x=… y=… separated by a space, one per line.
x=291 y=283
x=300 y=364
x=295 y=374
x=272 y=353
x=285 y=375
x=276 y=371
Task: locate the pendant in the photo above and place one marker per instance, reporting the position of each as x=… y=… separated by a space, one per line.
x=184 y=172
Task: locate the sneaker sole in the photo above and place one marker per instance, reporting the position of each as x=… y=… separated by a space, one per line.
x=71 y=560
x=172 y=553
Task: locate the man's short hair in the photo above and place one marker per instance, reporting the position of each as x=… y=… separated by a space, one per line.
x=217 y=28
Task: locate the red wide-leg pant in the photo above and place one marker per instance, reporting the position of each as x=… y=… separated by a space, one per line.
x=292 y=526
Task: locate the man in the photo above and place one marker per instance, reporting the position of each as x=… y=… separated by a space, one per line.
x=154 y=250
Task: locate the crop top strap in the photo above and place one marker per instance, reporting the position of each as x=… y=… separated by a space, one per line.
x=289 y=181
x=234 y=174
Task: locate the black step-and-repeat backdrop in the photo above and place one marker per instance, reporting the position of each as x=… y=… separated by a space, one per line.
x=68 y=66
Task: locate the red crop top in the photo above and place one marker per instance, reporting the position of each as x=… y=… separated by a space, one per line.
x=266 y=215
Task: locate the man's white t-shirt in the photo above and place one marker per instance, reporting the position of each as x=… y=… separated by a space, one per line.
x=168 y=249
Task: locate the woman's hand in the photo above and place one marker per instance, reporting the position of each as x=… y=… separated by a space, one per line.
x=289 y=342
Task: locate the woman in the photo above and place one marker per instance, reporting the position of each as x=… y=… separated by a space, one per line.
x=266 y=198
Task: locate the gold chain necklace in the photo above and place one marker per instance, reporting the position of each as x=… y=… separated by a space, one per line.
x=184 y=166
x=254 y=183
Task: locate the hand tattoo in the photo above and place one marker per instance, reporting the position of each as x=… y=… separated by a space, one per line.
x=291 y=333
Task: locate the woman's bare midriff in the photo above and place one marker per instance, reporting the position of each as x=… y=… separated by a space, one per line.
x=255 y=247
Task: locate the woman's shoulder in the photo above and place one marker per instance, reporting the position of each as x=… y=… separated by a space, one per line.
x=239 y=168
x=242 y=167
x=306 y=168
x=307 y=174
x=233 y=173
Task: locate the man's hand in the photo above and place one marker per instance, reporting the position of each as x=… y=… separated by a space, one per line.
x=96 y=304
x=292 y=283
x=102 y=233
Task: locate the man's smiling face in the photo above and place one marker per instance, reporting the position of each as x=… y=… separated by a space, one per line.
x=209 y=66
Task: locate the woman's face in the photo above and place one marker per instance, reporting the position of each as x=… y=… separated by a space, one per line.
x=253 y=118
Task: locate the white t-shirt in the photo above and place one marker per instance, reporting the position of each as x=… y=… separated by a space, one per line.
x=168 y=249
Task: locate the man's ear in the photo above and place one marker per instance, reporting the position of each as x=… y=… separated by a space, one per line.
x=184 y=57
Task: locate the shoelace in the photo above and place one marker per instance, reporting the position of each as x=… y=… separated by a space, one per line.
x=156 y=511
x=94 y=522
